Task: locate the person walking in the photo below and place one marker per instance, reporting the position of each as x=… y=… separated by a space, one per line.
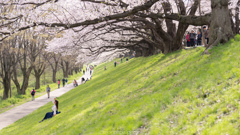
x=192 y=38
x=83 y=72
x=82 y=80
x=63 y=81
x=48 y=91
x=66 y=81
x=33 y=94
x=58 y=83
x=115 y=63
x=105 y=68
x=199 y=38
x=54 y=111
x=121 y=60
x=90 y=72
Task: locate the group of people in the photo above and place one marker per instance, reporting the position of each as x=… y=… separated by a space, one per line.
x=117 y=62
x=48 y=89
x=193 y=38
x=56 y=102
x=64 y=82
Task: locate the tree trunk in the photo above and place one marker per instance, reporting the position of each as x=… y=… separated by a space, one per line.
x=25 y=83
x=37 y=84
x=54 y=76
x=177 y=43
x=237 y=19
x=220 y=31
x=14 y=79
x=6 y=86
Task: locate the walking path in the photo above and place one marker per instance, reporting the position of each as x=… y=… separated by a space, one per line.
x=20 y=111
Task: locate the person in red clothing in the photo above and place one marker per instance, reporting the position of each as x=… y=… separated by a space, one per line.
x=188 y=40
x=58 y=83
x=33 y=94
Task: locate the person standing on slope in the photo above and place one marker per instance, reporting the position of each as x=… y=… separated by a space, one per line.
x=83 y=72
x=63 y=81
x=48 y=91
x=192 y=38
x=66 y=81
x=188 y=40
x=33 y=94
x=58 y=83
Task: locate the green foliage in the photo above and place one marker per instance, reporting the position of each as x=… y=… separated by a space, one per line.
x=161 y=94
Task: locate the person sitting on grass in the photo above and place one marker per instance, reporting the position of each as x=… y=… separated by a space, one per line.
x=54 y=111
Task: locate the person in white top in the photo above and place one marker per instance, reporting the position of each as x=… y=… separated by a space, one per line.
x=54 y=111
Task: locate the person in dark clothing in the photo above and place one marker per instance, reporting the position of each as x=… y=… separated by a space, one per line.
x=192 y=38
x=207 y=34
x=121 y=60
x=63 y=81
x=115 y=63
x=33 y=94
x=83 y=72
x=53 y=113
x=199 y=38
x=83 y=80
x=127 y=59
x=188 y=40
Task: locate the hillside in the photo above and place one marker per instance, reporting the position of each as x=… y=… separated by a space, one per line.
x=179 y=93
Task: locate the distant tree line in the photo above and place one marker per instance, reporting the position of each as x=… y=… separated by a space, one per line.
x=23 y=54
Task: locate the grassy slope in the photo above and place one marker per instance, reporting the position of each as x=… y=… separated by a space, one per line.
x=155 y=95
x=20 y=99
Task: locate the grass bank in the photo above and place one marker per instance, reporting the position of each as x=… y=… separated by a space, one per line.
x=179 y=93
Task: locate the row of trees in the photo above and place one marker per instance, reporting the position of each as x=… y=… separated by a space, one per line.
x=24 y=54
x=147 y=26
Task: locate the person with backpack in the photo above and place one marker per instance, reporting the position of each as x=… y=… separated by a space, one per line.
x=54 y=111
x=58 y=83
x=48 y=91
x=33 y=94
x=63 y=81
x=66 y=81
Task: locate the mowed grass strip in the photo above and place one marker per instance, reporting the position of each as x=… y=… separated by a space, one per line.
x=184 y=92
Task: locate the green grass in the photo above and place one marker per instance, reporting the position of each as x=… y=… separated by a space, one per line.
x=16 y=99
x=179 y=93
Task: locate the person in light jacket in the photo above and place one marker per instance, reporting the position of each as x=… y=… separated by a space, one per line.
x=48 y=91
